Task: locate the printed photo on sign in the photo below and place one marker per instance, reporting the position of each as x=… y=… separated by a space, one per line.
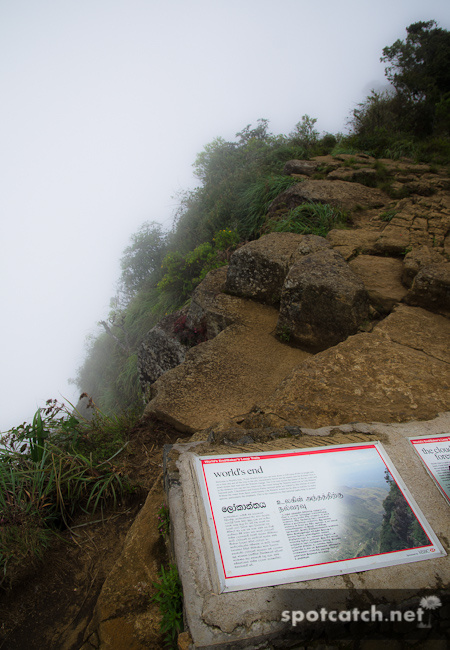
x=280 y=517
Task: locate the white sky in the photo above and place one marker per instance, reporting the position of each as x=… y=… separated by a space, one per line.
x=105 y=104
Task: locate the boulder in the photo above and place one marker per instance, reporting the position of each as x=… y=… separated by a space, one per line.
x=258 y=269
x=207 y=309
x=431 y=288
x=306 y=167
x=416 y=260
x=394 y=240
x=159 y=351
x=340 y=194
x=382 y=277
x=323 y=301
x=419 y=329
x=165 y=346
x=355 y=158
x=311 y=244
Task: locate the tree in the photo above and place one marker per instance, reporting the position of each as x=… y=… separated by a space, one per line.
x=419 y=69
x=143 y=258
x=420 y=66
x=260 y=132
x=304 y=134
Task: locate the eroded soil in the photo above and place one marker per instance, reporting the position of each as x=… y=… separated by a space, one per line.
x=51 y=606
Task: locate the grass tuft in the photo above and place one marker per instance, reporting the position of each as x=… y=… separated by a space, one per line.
x=256 y=199
x=309 y=219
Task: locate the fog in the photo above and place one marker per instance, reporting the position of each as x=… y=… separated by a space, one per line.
x=105 y=105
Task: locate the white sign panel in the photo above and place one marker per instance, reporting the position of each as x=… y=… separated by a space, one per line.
x=286 y=516
x=435 y=453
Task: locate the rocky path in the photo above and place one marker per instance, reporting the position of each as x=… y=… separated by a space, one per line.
x=398 y=251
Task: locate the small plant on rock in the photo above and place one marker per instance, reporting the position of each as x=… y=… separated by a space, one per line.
x=285 y=334
x=169 y=597
x=388 y=215
x=163 y=521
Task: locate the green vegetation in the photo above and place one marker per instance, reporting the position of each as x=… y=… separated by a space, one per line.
x=184 y=272
x=51 y=471
x=142 y=259
x=388 y=215
x=285 y=334
x=412 y=118
x=169 y=597
x=164 y=521
x=309 y=219
x=239 y=179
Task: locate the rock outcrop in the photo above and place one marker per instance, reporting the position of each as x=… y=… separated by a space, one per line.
x=301 y=167
x=160 y=351
x=382 y=278
x=431 y=288
x=368 y=311
x=165 y=346
x=228 y=374
x=387 y=375
x=340 y=194
x=327 y=296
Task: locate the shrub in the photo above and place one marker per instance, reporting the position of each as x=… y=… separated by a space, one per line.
x=388 y=215
x=226 y=239
x=184 y=272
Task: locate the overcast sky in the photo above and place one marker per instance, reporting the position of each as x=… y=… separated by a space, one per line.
x=105 y=104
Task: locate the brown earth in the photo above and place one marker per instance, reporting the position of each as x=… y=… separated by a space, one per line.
x=52 y=606
x=226 y=376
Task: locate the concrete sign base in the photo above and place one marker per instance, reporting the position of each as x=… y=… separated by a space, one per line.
x=285 y=615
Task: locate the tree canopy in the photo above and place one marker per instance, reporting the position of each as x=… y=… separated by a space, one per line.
x=142 y=258
x=417 y=105
x=420 y=66
x=419 y=70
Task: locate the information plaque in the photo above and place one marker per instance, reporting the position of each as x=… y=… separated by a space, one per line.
x=435 y=454
x=286 y=516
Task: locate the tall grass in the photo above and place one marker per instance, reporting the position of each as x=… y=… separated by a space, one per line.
x=309 y=219
x=43 y=487
x=256 y=199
